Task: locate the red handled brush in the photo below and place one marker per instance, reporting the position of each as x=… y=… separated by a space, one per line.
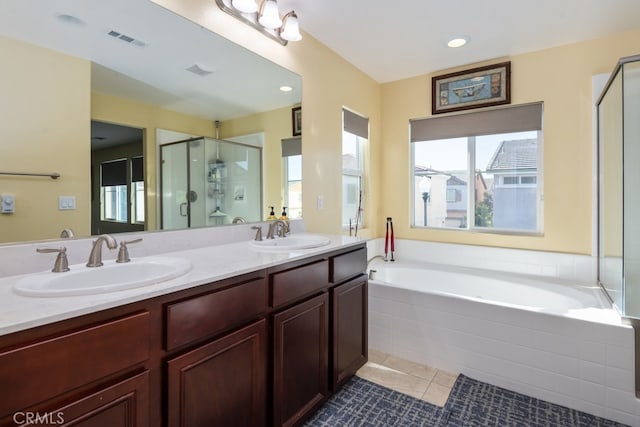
x=393 y=240
x=386 y=241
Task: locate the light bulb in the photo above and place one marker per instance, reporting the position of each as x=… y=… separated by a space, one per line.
x=291 y=28
x=245 y=6
x=269 y=15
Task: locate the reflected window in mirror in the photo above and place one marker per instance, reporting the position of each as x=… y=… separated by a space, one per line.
x=292 y=176
x=113 y=191
x=355 y=137
x=122 y=181
x=137 y=189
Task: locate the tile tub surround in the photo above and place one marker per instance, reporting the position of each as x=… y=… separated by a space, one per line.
x=585 y=365
x=212 y=257
x=572 y=267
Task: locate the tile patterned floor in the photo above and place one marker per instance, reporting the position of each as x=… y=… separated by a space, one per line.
x=419 y=381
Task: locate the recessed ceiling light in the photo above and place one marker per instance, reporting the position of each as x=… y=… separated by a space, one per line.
x=286 y=88
x=458 y=41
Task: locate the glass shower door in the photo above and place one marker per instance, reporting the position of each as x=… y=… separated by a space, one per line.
x=174 y=186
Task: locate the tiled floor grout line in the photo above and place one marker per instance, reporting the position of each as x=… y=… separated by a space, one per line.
x=400 y=375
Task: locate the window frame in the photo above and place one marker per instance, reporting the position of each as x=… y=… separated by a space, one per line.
x=471 y=181
x=357 y=126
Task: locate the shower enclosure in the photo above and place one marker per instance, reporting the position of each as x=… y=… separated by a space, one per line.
x=619 y=193
x=206 y=181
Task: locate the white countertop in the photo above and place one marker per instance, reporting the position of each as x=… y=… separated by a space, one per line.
x=209 y=264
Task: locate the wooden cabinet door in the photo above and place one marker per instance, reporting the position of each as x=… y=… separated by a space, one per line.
x=348 y=330
x=124 y=403
x=222 y=383
x=300 y=364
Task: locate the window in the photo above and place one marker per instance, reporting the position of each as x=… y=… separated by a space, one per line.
x=355 y=136
x=113 y=191
x=292 y=176
x=116 y=183
x=137 y=189
x=479 y=170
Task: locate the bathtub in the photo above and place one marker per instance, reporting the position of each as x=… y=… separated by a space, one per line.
x=544 y=337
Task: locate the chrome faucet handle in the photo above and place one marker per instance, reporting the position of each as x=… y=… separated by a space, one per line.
x=123 y=253
x=258 y=237
x=62 y=263
x=95 y=257
x=273 y=225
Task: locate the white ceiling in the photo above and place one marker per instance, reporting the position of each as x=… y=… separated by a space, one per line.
x=392 y=40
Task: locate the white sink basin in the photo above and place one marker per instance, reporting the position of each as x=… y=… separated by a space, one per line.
x=290 y=243
x=111 y=277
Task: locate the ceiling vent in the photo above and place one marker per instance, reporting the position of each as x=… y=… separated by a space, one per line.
x=201 y=70
x=127 y=39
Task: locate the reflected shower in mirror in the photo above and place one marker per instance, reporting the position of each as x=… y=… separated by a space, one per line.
x=130 y=63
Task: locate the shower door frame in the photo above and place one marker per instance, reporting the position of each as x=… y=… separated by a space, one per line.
x=188 y=172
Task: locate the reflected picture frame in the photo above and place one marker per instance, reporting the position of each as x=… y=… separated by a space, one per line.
x=473 y=88
x=296 y=121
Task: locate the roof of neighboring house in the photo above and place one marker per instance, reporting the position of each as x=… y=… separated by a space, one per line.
x=454 y=180
x=516 y=154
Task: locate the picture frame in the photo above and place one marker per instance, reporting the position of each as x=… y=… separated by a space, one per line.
x=296 y=121
x=473 y=88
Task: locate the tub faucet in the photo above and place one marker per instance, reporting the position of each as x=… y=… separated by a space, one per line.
x=374 y=257
x=95 y=257
x=372 y=272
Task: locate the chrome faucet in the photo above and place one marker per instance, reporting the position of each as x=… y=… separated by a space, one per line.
x=95 y=257
x=67 y=233
x=372 y=272
x=374 y=257
x=280 y=225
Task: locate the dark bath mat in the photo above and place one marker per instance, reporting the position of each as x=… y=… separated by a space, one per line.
x=471 y=403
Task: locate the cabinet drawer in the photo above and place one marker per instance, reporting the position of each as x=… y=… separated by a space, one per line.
x=348 y=265
x=45 y=369
x=288 y=286
x=206 y=315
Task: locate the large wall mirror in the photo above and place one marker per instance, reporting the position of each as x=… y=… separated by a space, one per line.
x=91 y=89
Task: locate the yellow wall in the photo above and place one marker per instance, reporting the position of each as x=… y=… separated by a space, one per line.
x=45 y=117
x=562 y=78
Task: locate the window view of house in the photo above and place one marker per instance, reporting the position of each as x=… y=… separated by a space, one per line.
x=489 y=181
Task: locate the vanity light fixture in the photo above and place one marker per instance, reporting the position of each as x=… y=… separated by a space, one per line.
x=245 y=6
x=265 y=18
x=286 y=88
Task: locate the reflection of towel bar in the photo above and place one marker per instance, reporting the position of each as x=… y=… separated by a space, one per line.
x=54 y=175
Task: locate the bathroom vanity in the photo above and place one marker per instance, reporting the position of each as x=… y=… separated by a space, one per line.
x=262 y=348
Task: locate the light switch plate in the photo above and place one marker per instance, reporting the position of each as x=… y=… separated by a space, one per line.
x=66 y=203
x=8 y=203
